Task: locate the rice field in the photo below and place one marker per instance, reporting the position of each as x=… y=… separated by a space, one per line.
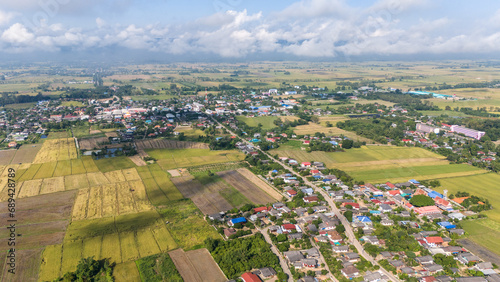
x=51 y=263
x=56 y=150
x=111 y=200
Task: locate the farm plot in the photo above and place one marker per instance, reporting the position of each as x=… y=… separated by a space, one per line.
x=30 y=188
x=63 y=168
x=246 y=187
x=52 y=185
x=56 y=150
x=110 y=200
x=168 y=144
x=26 y=154
x=163 y=181
x=417 y=172
x=46 y=170
x=77 y=181
x=30 y=172
x=208 y=201
x=77 y=167
x=260 y=183
x=115 y=163
x=6 y=156
x=96 y=179
x=197 y=265
x=187 y=226
x=126 y=271
x=92 y=143
x=89 y=164
x=51 y=263
x=137 y=160
x=171 y=159
x=29 y=262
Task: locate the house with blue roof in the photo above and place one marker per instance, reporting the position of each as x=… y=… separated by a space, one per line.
x=237 y=220
x=362 y=219
x=434 y=194
x=413 y=181
x=307 y=191
x=446 y=224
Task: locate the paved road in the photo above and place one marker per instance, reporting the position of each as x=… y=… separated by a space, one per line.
x=275 y=250
x=348 y=229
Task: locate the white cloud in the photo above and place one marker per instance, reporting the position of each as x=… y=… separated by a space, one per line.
x=17 y=34
x=6 y=17
x=310 y=28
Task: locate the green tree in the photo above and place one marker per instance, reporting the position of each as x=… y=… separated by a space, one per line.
x=421 y=201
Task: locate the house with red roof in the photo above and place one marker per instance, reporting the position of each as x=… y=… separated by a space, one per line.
x=250 y=277
x=434 y=241
x=315 y=171
x=311 y=199
x=442 y=203
x=291 y=193
x=305 y=164
x=261 y=209
x=394 y=192
x=306 y=142
x=390 y=185
x=288 y=228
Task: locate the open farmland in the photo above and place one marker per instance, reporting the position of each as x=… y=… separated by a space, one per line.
x=29 y=260
x=168 y=144
x=207 y=199
x=181 y=158
x=56 y=150
x=111 y=200
x=484 y=185
x=312 y=128
x=197 y=266
x=159 y=188
x=267 y=122
x=93 y=143
x=6 y=156
x=122 y=238
x=485 y=233
x=362 y=156
x=246 y=187
x=109 y=164
x=417 y=172
x=186 y=224
x=26 y=154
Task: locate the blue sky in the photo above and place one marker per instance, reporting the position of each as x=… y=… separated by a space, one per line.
x=242 y=28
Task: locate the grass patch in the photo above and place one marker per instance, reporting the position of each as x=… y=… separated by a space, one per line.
x=187 y=226
x=116 y=163
x=234 y=197
x=484 y=185
x=72 y=104
x=158 y=268
x=410 y=172
x=484 y=232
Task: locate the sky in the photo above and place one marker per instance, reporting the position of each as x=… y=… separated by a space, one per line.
x=243 y=29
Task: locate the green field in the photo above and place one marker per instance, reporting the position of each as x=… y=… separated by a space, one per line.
x=172 y=158
x=484 y=232
x=115 y=163
x=234 y=197
x=187 y=226
x=415 y=172
x=156 y=195
x=448 y=113
x=72 y=104
x=358 y=155
x=484 y=185
x=266 y=121
x=158 y=268
x=164 y=183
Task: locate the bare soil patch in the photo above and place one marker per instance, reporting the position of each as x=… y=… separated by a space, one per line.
x=197 y=265
x=209 y=201
x=246 y=187
x=138 y=161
